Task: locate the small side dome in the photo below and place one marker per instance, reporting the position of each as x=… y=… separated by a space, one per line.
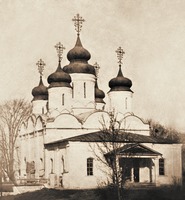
x=40 y=92
x=120 y=83
x=78 y=57
x=59 y=78
x=99 y=94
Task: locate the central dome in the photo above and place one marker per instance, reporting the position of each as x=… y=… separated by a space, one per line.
x=78 y=57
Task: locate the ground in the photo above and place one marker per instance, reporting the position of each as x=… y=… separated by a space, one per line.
x=170 y=193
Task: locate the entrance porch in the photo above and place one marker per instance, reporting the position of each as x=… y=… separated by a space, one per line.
x=137 y=170
x=137 y=163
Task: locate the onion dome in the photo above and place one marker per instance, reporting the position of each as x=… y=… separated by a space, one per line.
x=40 y=92
x=59 y=78
x=99 y=94
x=120 y=83
x=78 y=57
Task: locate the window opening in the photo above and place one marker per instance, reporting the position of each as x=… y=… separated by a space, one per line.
x=84 y=90
x=161 y=166
x=63 y=99
x=51 y=160
x=126 y=103
x=72 y=90
x=89 y=166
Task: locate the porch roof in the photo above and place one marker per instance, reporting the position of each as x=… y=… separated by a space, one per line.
x=135 y=150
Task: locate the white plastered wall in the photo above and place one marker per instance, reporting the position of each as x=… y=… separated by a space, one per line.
x=60 y=98
x=120 y=101
x=83 y=92
x=39 y=106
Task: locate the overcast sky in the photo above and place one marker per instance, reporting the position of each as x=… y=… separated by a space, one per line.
x=151 y=32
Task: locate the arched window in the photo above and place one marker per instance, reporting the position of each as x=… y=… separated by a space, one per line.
x=51 y=163
x=161 y=166
x=63 y=99
x=126 y=103
x=41 y=163
x=84 y=90
x=89 y=166
x=41 y=168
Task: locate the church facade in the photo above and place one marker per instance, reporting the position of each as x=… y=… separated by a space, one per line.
x=62 y=143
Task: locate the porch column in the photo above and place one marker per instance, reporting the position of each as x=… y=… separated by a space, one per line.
x=154 y=170
x=132 y=174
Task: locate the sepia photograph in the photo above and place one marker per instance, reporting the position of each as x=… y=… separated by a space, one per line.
x=92 y=99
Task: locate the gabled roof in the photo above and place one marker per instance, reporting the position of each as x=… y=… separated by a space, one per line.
x=101 y=136
x=130 y=150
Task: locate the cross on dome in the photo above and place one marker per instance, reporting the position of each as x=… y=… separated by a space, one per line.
x=40 y=65
x=120 y=53
x=78 y=20
x=60 y=48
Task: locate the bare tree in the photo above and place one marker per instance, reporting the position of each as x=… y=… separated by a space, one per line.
x=12 y=114
x=160 y=131
x=107 y=149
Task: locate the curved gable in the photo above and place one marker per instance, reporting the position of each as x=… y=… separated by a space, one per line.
x=135 y=124
x=23 y=128
x=66 y=120
x=31 y=123
x=39 y=123
x=97 y=120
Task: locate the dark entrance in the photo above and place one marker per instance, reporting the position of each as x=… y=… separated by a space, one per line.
x=136 y=170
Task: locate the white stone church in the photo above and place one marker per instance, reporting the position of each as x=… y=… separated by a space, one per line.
x=60 y=141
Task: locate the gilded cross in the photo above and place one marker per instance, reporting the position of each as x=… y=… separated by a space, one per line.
x=40 y=65
x=78 y=20
x=97 y=68
x=120 y=53
x=60 y=48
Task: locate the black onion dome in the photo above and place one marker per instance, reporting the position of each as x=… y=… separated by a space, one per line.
x=78 y=52
x=120 y=83
x=99 y=94
x=78 y=57
x=59 y=78
x=40 y=92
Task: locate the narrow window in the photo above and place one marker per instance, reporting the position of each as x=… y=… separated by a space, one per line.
x=72 y=90
x=89 y=166
x=161 y=166
x=51 y=161
x=63 y=165
x=84 y=90
x=63 y=99
x=126 y=103
x=41 y=163
x=41 y=168
x=42 y=110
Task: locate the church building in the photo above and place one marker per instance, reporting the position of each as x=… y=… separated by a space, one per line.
x=63 y=141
